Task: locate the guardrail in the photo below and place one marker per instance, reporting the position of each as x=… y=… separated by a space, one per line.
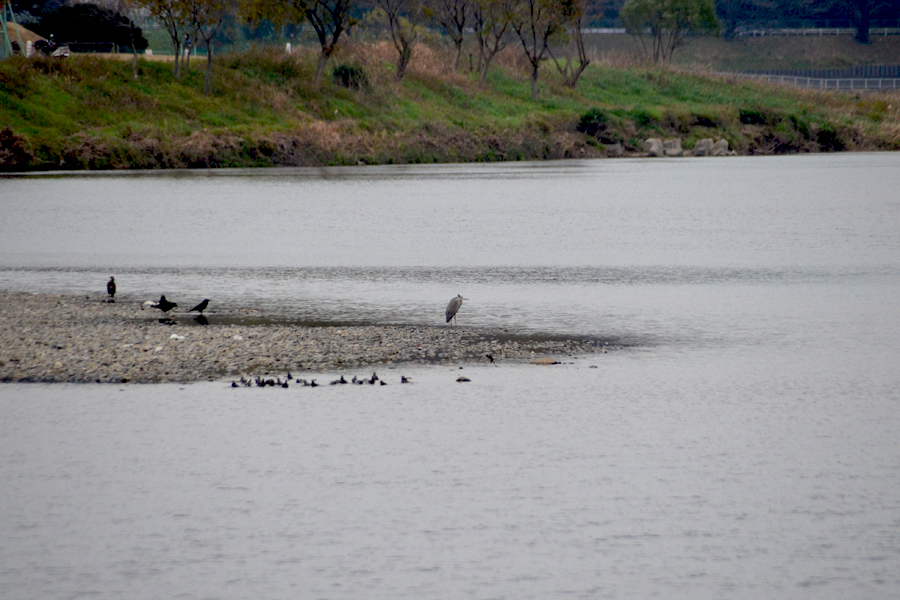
x=858 y=72
x=873 y=31
x=848 y=84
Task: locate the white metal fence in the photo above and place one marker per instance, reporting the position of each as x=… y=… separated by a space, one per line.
x=873 y=31
x=850 y=83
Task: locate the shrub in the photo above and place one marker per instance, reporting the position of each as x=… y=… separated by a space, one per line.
x=350 y=76
x=592 y=122
x=829 y=140
x=705 y=121
x=643 y=118
x=15 y=154
x=751 y=116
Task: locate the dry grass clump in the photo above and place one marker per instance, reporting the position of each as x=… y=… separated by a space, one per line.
x=376 y=60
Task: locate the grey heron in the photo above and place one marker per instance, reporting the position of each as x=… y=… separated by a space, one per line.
x=453 y=307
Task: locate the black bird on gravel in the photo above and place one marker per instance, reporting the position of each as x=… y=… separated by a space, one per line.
x=201 y=307
x=111 y=289
x=164 y=305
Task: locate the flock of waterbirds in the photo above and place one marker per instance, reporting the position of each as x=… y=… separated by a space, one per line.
x=286 y=382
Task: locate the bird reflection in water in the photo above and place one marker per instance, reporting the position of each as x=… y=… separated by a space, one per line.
x=201 y=320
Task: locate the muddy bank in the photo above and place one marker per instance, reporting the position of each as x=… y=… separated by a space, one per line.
x=66 y=338
x=325 y=144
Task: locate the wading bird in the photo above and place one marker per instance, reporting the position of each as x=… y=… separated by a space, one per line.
x=453 y=307
x=111 y=289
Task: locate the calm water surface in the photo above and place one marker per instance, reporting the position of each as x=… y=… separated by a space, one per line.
x=743 y=445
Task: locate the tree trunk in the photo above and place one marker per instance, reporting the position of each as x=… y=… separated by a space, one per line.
x=134 y=56
x=534 y=80
x=570 y=73
x=207 y=84
x=485 y=66
x=572 y=79
x=320 y=68
x=176 y=67
x=403 y=61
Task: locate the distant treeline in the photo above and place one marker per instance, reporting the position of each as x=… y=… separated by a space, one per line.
x=47 y=16
x=85 y=26
x=748 y=14
x=860 y=15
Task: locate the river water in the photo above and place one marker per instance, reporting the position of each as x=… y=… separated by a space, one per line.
x=742 y=443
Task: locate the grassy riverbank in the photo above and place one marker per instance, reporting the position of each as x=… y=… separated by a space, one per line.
x=91 y=113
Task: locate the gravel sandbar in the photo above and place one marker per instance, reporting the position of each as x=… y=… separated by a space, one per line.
x=70 y=338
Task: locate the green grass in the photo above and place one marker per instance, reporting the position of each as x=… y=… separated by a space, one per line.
x=92 y=113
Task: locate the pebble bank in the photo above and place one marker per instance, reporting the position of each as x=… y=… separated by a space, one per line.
x=68 y=338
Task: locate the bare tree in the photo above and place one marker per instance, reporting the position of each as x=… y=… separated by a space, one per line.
x=175 y=16
x=575 y=15
x=536 y=22
x=207 y=17
x=128 y=9
x=490 y=22
x=668 y=23
x=453 y=16
x=404 y=19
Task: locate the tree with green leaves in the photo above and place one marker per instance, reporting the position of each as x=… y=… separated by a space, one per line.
x=667 y=22
x=91 y=24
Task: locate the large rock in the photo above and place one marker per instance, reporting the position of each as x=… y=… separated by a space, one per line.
x=673 y=147
x=653 y=147
x=720 y=148
x=703 y=147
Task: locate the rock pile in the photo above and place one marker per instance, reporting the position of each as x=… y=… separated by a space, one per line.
x=65 y=338
x=672 y=148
